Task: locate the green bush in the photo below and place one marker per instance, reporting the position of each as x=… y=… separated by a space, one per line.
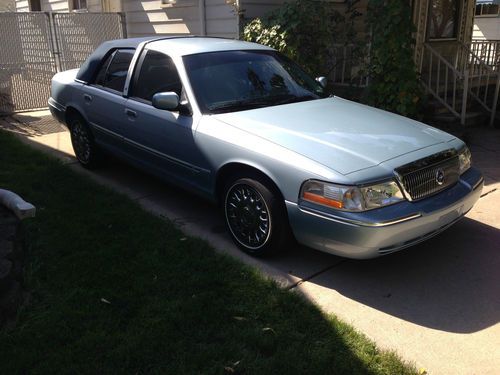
x=305 y=31
x=394 y=82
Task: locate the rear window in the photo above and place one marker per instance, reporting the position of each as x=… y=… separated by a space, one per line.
x=113 y=72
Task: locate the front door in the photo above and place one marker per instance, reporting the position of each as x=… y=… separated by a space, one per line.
x=162 y=139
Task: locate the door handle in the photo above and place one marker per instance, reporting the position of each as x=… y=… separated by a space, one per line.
x=87 y=98
x=130 y=113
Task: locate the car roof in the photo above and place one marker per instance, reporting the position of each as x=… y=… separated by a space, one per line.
x=173 y=46
x=194 y=45
x=89 y=68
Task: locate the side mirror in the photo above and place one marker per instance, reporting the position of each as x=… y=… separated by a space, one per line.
x=323 y=81
x=166 y=100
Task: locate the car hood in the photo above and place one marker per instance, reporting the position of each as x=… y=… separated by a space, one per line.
x=342 y=135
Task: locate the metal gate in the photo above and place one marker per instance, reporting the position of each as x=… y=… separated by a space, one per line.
x=78 y=35
x=37 y=45
x=26 y=61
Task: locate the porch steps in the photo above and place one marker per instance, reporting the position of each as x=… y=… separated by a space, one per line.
x=472 y=119
x=439 y=116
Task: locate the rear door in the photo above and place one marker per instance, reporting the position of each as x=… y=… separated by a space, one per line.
x=103 y=99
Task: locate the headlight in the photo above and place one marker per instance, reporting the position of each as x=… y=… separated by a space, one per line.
x=351 y=198
x=464 y=158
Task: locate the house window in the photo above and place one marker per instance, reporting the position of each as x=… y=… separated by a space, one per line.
x=35 y=6
x=487 y=10
x=443 y=19
x=79 y=4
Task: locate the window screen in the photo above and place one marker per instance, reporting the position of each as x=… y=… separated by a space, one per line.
x=157 y=74
x=113 y=72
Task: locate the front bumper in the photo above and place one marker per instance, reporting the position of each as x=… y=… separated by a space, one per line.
x=384 y=230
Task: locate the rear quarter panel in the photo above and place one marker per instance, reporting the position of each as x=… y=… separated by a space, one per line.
x=64 y=88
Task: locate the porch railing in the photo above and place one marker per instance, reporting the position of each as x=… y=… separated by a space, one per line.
x=488 y=51
x=445 y=82
x=484 y=79
x=454 y=84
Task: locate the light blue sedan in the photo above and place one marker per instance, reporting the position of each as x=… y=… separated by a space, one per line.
x=245 y=127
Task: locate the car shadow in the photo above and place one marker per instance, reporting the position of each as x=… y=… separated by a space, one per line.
x=449 y=283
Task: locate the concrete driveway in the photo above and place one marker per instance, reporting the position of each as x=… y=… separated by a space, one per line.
x=436 y=304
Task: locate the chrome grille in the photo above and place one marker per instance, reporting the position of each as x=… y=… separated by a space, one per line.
x=430 y=175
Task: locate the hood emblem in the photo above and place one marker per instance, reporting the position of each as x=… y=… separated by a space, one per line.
x=440 y=176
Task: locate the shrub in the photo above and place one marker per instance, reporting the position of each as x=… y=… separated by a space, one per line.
x=305 y=31
x=394 y=82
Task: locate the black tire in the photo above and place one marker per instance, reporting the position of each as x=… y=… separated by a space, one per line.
x=255 y=216
x=86 y=151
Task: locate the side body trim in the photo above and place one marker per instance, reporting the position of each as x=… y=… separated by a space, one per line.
x=169 y=158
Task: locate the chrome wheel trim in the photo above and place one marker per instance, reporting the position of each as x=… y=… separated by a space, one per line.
x=247 y=216
x=81 y=142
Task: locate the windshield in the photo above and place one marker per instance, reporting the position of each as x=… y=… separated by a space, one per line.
x=232 y=81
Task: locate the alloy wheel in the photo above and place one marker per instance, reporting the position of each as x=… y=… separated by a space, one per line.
x=248 y=216
x=81 y=142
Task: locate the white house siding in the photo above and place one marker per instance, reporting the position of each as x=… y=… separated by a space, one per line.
x=148 y=17
x=94 y=5
x=486 y=28
x=22 y=6
x=7 y=5
x=221 y=19
x=57 y=5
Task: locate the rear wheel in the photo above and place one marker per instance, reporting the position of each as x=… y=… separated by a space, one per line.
x=255 y=216
x=86 y=151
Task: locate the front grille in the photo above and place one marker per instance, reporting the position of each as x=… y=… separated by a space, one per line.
x=430 y=175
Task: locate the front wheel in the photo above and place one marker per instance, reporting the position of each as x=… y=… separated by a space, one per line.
x=255 y=216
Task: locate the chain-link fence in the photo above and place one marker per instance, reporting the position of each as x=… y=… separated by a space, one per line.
x=26 y=61
x=78 y=35
x=36 y=45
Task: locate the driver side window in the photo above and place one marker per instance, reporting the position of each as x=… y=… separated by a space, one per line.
x=157 y=74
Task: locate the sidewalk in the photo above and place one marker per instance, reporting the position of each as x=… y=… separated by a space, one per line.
x=437 y=304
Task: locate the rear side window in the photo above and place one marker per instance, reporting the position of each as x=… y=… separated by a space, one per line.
x=113 y=72
x=157 y=74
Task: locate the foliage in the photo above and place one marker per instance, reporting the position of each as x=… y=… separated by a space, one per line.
x=393 y=76
x=114 y=289
x=306 y=31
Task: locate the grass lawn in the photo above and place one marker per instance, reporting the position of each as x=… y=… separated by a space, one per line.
x=115 y=289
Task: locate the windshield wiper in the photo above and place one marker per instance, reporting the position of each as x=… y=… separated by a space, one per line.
x=258 y=102
x=238 y=105
x=294 y=99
